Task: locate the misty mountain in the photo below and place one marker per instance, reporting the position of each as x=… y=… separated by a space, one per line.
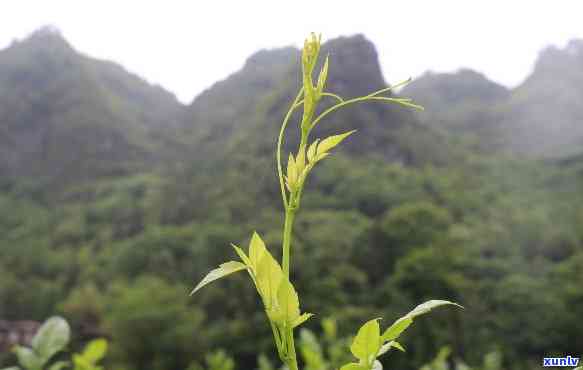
x=544 y=116
x=66 y=116
x=539 y=118
x=244 y=111
x=115 y=198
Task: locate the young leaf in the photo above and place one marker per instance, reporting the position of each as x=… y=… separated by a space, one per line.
x=377 y=365
x=256 y=250
x=399 y=326
x=367 y=342
x=322 y=77
x=321 y=156
x=52 y=337
x=353 y=366
x=301 y=162
x=330 y=142
x=95 y=350
x=28 y=359
x=303 y=318
x=424 y=308
x=223 y=270
x=288 y=302
x=390 y=345
x=292 y=173
x=269 y=277
x=312 y=151
x=242 y=255
x=81 y=363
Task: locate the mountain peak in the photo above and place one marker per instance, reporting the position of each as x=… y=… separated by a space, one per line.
x=445 y=89
x=65 y=116
x=266 y=57
x=47 y=37
x=354 y=66
x=558 y=60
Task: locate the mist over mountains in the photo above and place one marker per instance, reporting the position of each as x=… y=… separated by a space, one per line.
x=65 y=115
x=115 y=198
x=538 y=118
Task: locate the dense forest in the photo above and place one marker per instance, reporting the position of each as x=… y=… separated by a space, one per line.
x=115 y=199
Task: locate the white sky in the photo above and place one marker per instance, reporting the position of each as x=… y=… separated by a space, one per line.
x=185 y=46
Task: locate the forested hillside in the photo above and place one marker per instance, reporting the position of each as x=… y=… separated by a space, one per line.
x=115 y=199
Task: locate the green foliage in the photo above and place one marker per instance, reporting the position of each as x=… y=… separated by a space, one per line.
x=223 y=270
x=271 y=280
x=216 y=360
x=491 y=361
x=93 y=352
x=401 y=214
x=370 y=344
x=144 y=320
x=51 y=338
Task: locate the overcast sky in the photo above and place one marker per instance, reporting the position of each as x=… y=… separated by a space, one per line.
x=185 y=46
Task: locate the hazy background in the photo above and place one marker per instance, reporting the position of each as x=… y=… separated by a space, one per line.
x=187 y=46
x=137 y=142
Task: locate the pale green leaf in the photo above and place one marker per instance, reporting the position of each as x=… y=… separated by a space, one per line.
x=292 y=173
x=312 y=150
x=302 y=319
x=399 y=326
x=288 y=301
x=95 y=350
x=390 y=345
x=28 y=359
x=424 y=308
x=367 y=342
x=242 y=255
x=52 y=337
x=269 y=277
x=223 y=270
x=81 y=363
x=323 y=76
x=321 y=156
x=377 y=365
x=256 y=250
x=11 y=368
x=330 y=142
x=353 y=366
x=301 y=162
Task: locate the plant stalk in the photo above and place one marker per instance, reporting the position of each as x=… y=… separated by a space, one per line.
x=290 y=213
x=292 y=362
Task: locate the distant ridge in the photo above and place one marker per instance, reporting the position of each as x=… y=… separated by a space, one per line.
x=541 y=118
x=66 y=117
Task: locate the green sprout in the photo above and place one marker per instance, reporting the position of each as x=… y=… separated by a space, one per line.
x=52 y=339
x=272 y=280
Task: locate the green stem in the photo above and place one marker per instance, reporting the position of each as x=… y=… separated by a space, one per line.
x=276 y=337
x=371 y=98
x=280 y=142
x=292 y=362
x=290 y=213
